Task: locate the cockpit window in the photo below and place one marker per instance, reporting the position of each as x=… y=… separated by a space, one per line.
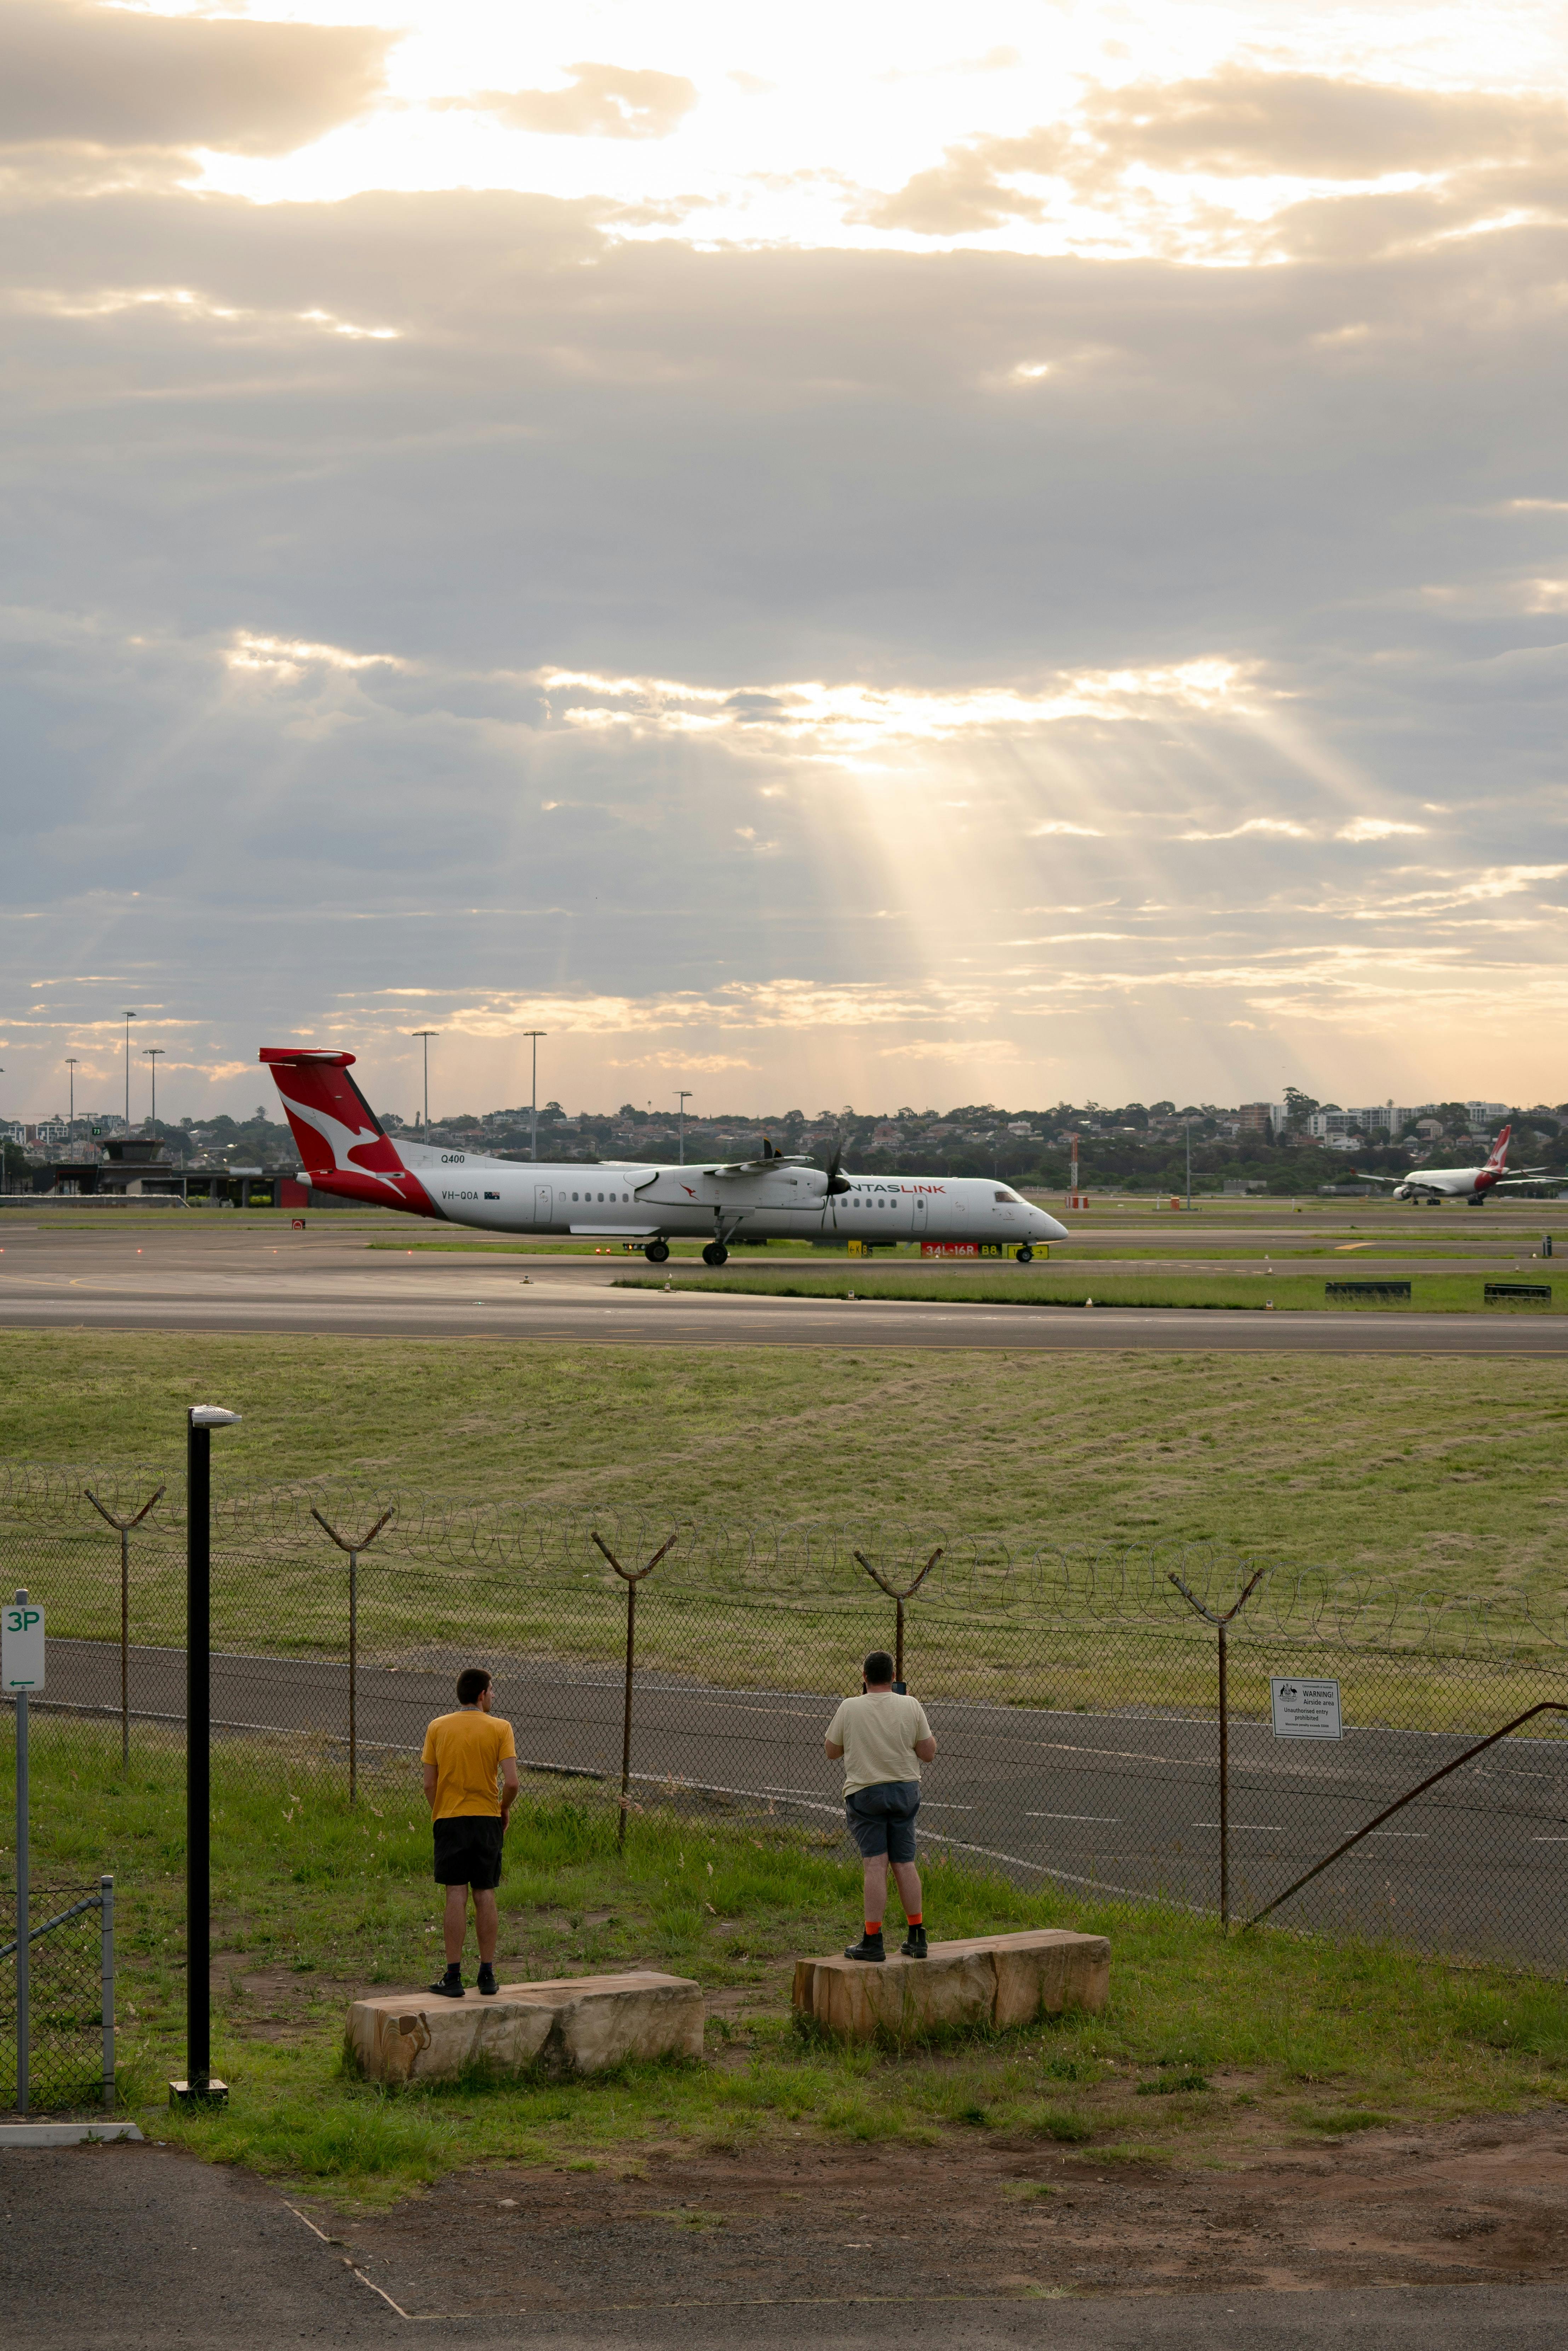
x=1006 y=1199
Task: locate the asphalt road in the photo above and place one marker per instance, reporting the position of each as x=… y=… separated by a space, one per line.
x=149 y=2248
x=1125 y=1802
x=182 y=1278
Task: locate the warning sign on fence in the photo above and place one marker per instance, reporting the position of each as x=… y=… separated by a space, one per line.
x=1305 y=1709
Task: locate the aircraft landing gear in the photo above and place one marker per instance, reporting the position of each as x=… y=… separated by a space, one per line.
x=657 y=1252
x=1025 y=1256
x=716 y=1253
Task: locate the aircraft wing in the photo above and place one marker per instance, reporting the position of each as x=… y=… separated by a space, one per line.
x=1531 y=1176
x=755 y=1166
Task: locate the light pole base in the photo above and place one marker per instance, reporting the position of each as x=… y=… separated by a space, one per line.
x=210 y=2093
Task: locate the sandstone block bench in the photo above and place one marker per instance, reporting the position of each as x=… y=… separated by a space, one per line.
x=579 y=2024
x=988 y=1980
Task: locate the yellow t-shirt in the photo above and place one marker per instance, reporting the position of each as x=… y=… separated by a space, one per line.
x=467 y=1750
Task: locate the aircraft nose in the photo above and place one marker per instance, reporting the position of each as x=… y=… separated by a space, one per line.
x=1048 y=1229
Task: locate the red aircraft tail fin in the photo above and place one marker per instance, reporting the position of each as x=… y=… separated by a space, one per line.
x=1499 y=1159
x=341 y=1141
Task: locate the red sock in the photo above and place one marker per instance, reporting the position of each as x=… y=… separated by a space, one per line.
x=912 y=1917
x=873 y=1926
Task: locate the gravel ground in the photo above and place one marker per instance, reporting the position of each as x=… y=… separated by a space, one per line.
x=1454 y=2242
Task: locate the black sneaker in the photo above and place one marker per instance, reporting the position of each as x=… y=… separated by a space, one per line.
x=870 y=1947
x=913 y=1946
x=488 y=1983
x=449 y=1985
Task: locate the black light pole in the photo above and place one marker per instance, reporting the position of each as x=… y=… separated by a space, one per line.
x=683 y=1098
x=534 y=1095
x=427 y=1034
x=198 y=2088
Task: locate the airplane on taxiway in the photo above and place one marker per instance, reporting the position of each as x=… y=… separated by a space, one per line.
x=1471 y=1184
x=780 y=1196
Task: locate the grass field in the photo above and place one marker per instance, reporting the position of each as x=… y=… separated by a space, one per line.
x=1016 y=1285
x=1281 y=2036
x=1414 y=1470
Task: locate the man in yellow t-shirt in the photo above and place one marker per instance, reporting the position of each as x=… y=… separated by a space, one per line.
x=464 y=1754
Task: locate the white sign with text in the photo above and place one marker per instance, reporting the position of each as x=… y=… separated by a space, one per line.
x=22 y=1645
x=1305 y=1709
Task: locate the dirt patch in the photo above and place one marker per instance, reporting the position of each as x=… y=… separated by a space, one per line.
x=1468 y=2203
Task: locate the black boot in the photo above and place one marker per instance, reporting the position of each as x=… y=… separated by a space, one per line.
x=488 y=1983
x=870 y=1947
x=913 y=1943
x=449 y=1985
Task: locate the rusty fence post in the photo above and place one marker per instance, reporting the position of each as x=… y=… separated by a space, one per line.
x=122 y=1528
x=353 y=1548
x=898 y=1598
x=632 y=1577
x=1220 y=1623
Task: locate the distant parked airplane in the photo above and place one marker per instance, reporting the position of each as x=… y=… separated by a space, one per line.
x=779 y=1197
x=1470 y=1185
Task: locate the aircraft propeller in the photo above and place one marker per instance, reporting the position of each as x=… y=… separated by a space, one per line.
x=836 y=1182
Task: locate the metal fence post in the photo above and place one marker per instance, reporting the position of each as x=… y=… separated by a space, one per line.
x=106 y=1948
x=353 y=1546
x=632 y=1577
x=898 y=1598
x=122 y=1528
x=1220 y=1623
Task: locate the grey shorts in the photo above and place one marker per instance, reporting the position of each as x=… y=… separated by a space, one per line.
x=882 y=1819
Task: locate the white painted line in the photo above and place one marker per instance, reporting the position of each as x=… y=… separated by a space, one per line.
x=1104 y=1820
x=1264 y=1828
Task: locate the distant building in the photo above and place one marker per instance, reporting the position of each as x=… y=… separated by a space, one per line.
x=1483 y=1113
x=1260 y=1118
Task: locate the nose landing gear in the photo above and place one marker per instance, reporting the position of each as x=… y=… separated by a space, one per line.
x=1025 y=1255
x=716 y=1253
x=657 y=1252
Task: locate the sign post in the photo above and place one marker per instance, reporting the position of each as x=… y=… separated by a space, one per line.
x=22 y=1670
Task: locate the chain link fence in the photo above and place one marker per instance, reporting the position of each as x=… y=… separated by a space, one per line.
x=1075 y=1694
x=69 y=2063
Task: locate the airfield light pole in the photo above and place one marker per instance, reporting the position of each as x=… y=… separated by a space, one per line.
x=427 y=1034
x=534 y=1094
x=71 y=1066
x=1187 y=1124
x=152 y=1053
x=198 y=2088
x=683 y=1098
x=128 y=1018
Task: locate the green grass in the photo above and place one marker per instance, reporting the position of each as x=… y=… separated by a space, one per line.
x=1016 y=1285
x=1398 y=1472
x=1269 y=2035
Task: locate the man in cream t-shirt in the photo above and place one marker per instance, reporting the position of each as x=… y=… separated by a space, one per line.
x=884 y=1737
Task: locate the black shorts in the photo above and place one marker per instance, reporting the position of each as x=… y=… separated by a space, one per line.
x=468 y=1851
x=882 y=1819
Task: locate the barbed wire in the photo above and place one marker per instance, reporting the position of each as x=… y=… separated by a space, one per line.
x=978 y=1575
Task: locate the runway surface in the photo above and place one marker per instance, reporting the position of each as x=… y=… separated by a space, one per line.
x=181 y=1278
x=1124 y=1802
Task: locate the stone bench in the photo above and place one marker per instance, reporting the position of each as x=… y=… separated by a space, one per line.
x=579 y=2025
x=988 y=1980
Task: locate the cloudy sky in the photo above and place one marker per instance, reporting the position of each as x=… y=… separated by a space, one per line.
x=819 y=555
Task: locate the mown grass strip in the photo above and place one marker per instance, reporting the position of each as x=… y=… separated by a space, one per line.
x=314 y=1902
x=1030 y=1286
